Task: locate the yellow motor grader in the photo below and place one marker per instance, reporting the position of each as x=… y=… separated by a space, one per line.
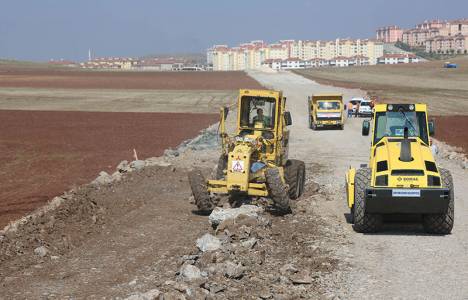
x=254 y=162
x=402 y=176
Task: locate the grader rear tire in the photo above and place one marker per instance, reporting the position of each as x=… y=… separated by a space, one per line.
x=442 y=223
x=278 y=190
x=294 y=173
x=364 y=222
x=200 y=191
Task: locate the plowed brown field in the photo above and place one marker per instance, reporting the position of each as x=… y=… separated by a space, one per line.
x=76 y=79
x=453 y=130
x=42 y=154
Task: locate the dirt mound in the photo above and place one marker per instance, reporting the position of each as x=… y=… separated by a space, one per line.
x=58 y=78
x=45 y=153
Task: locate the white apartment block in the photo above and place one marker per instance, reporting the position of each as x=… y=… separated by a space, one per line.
x=253 y=55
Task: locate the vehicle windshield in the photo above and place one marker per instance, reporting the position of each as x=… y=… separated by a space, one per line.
x=258 y=109
x=328 y=105
x=365 y=104
x=393 y=123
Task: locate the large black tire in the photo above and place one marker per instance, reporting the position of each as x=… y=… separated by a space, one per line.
x=310 y=122
x=200 y=191
x=222 y=165
x=364 y=222
x=294 y=173
x=442 y=223
x=278 y=190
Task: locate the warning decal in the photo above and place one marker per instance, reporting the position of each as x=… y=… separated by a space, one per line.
x=238 y=166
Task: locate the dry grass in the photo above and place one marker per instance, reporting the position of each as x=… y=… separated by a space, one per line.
x=445 y=90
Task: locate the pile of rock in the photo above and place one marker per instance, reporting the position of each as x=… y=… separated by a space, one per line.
x=124 y=167
x=445 y=151
x=235 y=260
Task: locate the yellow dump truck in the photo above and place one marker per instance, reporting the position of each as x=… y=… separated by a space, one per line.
x=326 y=110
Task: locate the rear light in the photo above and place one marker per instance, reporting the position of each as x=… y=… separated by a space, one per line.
x=381 y=180
x=433 y=180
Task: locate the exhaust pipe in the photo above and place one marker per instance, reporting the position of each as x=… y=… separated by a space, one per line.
x=405 y=153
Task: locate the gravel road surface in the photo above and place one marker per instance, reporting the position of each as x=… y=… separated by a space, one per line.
x=402 y=262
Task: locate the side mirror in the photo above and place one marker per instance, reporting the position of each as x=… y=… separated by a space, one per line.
x=287 y=118
x=365 y=128
x=431 y=126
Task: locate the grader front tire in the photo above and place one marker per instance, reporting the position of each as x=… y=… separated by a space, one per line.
x=278 y=190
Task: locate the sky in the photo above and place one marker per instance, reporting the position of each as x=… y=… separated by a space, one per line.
x=40 y=30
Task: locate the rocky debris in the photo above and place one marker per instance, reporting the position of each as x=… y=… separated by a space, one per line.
x=302 y=277
x=103 y=179
x=149 y=295
x=189 y=272
x=171 y=153
x=137 y=164
x=448 y=152
x=123 y=167
x=255 y=257
x=41 y=251
x=157 y=161
x=219 y=215
x=233 y=270
x=208 y=242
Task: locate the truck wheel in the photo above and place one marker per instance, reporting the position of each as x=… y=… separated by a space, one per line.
x=294 y=173
x=310 y=122
x=222 y=165
x=342 y=127
x=442 y=223
x=364 y=222
x=200 y=191
x=278 y=190
x=314 y=126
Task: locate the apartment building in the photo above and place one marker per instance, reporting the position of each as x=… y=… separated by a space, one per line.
x=253 y=55
x=438 y=36
x=389 y=34
x=397 y=58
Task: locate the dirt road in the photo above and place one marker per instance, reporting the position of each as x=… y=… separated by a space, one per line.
x=402 y=262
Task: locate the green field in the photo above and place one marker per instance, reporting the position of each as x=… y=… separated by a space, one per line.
x=445 y=90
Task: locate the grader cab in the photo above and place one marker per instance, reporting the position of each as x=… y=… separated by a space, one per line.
x=254 y=162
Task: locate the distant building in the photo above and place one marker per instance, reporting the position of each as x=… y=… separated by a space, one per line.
x=291 y=53
x=159 y=64
x=63 y=63
x=448 y=44
x=121 y=63
x=389 y=34
x=438 y=36
x=398 y=58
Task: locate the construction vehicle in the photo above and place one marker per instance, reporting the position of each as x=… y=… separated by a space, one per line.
x=254 y=162
x=402 y=176
x=326 y=110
